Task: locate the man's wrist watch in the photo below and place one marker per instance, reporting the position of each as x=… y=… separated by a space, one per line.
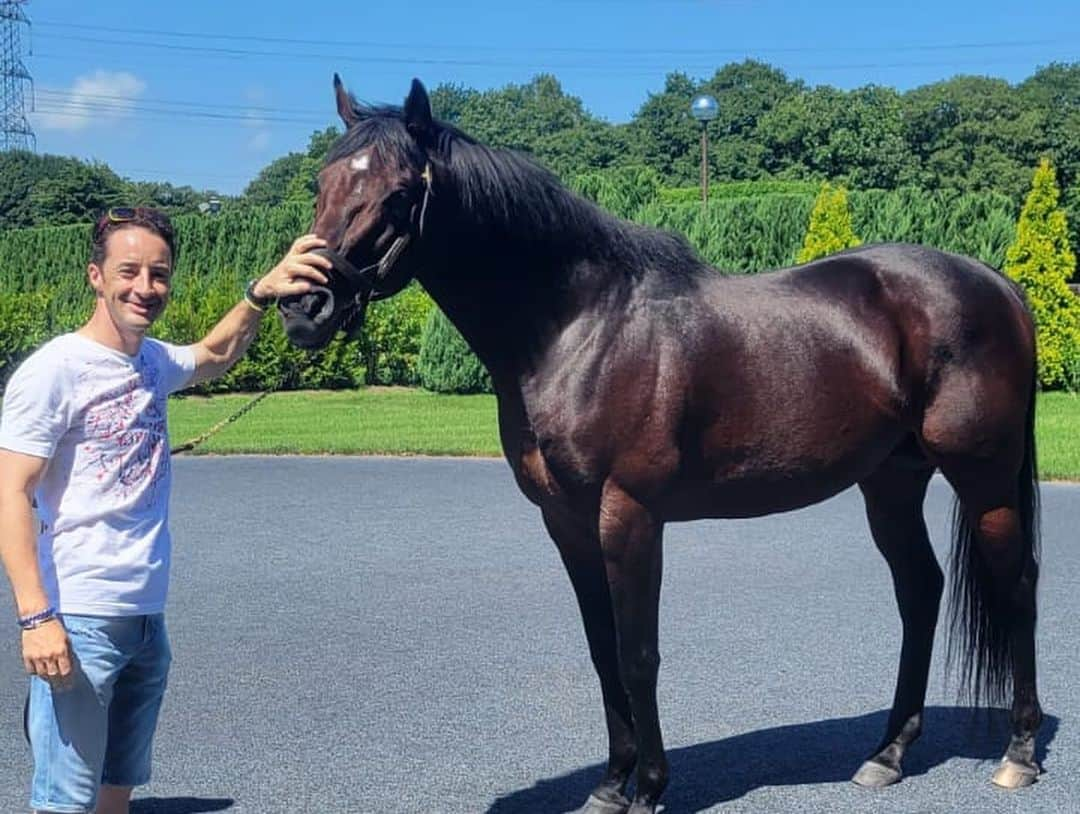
x=260 y=303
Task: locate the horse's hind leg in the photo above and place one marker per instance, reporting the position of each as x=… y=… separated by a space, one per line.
x=988 y=455
x=581 y=554
x=894 y=498
x=997 y=569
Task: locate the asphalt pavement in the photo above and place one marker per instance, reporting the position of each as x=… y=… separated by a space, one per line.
x=398 y=635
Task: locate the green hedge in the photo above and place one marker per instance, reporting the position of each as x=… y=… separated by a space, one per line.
x=738 y=233
x=751 y=234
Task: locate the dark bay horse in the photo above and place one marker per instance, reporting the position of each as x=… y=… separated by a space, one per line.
x=637 y=386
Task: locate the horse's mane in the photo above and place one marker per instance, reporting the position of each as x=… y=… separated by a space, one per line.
x=510 y=193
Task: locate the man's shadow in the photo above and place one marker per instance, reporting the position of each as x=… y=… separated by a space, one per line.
x=179 y=805
x=829 y=751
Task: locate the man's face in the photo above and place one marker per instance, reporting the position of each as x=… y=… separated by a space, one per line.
x=132 y=283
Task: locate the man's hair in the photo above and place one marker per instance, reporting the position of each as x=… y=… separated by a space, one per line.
x=120 y=217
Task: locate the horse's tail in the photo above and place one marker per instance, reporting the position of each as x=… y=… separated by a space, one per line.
x=980 y=617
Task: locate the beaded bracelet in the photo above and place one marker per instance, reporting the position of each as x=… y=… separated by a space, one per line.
x=37 y=619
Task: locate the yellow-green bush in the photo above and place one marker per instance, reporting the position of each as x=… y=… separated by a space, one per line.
x=830 y=225
x=1042 y=261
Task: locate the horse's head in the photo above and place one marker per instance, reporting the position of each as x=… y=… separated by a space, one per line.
x=373 y=197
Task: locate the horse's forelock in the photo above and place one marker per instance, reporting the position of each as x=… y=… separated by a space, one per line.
x=379 y=127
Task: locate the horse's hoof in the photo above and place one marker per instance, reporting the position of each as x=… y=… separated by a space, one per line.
x=594 y=805
x=874 y=775
x=1013 y=775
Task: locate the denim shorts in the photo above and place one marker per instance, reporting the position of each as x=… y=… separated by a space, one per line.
x=99 y=728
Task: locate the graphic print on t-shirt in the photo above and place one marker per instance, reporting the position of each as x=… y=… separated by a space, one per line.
x=124 y=433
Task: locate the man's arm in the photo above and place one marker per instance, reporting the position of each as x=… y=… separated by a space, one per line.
x=227 y=341
x=45 y=648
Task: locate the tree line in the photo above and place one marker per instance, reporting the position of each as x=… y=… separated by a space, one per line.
x=968 y=134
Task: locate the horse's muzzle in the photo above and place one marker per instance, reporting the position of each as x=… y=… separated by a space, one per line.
x=309 y=318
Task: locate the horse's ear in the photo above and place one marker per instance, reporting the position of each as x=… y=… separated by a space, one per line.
x=345 y=106
x=418 y=118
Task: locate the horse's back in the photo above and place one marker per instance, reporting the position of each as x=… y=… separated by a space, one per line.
x=920 y=307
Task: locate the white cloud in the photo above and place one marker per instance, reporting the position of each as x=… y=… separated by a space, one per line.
x=101 y=98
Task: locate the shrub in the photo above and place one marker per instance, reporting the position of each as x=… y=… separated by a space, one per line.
x=23 y=326
x=447 y=364
x=1041 y=261
x=830 y=225
x=392 y=336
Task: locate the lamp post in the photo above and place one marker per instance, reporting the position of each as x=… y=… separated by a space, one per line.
x=704 y=109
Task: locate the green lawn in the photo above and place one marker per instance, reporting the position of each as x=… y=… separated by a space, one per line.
x=1057 y=436
x=403 y=421
x=371 y=421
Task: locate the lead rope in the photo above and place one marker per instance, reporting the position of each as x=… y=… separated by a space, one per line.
x=190 y=444
x=248 y=406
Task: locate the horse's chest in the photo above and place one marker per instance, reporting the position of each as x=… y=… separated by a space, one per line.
x=547 y=473
x=536 y=478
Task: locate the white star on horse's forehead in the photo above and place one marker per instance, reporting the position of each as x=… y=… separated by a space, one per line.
x=360 y=162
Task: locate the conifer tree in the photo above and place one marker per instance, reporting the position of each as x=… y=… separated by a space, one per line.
x=447 y=363
x=1041 y=261
x=830 y=225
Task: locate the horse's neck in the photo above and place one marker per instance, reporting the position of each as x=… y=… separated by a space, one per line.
x=509 y=297
x=503 y=317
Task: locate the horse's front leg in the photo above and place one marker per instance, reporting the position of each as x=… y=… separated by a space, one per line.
x=631 y=543
x=579 y=547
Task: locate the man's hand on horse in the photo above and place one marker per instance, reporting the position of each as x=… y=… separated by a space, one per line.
x=297 y=271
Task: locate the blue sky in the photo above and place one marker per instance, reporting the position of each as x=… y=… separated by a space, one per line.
x=207 y=93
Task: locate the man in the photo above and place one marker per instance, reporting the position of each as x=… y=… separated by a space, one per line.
x=83 y=431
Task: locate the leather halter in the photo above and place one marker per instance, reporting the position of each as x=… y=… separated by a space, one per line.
x=362 y=283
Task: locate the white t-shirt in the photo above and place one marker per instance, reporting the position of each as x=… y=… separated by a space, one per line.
x=99 y=417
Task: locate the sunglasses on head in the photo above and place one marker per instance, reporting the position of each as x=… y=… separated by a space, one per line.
x=120 y=214
x=116 y=214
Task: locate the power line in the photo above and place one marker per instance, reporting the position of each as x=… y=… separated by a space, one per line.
x=626 y=70
x=413 y=46
x=980 y=65
x=246 y=53
x=84 y=111
x=64 y=94
x=81 y=105
x=78 y=105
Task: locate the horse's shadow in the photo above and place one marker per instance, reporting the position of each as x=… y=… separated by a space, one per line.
x=828 y=751
x=180 y=805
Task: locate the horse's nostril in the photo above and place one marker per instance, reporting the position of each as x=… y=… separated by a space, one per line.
x=313 y=302
x=318 y=304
